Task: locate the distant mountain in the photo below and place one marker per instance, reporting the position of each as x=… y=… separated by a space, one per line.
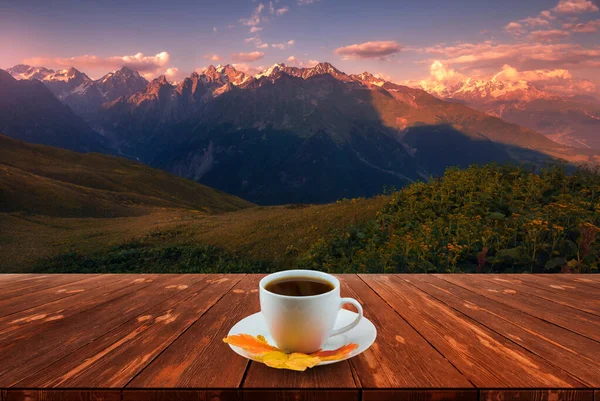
x=77 y=90
x=570 y=120
x=314 y=134
x=123 y=82
x=45 y=180
x=29 y=111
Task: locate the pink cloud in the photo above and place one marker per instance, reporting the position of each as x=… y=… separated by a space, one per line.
x=248 y=69
x=575 y=7
x=282 y=10
x=378 y=49
x=213 y=57
x=583 y=27
x=296 y=62
x=558 y=81
x=247 y=57
x=490 y=55
x=255 y=29
x=549 y=35
x=138 y=62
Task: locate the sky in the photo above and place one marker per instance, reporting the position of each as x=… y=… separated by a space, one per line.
x=554 y=42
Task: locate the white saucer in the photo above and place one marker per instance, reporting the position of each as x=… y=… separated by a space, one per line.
x=364 y=334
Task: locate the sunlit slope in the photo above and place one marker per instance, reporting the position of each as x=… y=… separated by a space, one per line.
x=45 y=180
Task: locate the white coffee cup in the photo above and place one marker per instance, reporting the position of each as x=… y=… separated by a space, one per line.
x=304 y=323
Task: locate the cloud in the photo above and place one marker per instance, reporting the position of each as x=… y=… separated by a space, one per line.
x=282 y=10
x=214 y=29
x=490 y=55
x=296 y=62
x=262 y=46
x=255 y=18
x=367 y=50
x=247 y=57
x=248 y=69
x=138 y=62
x=547 y=15
x=213 y=57
x=575 y=7
x=583 y=27
x=515 y=28
x=549 y=35
x=307 y=2
x=255 y=29
x=535 y=21
x=284 y=45
x=271 y=8
x=557 y=81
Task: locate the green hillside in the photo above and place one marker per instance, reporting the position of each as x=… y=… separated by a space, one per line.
x=38 y=179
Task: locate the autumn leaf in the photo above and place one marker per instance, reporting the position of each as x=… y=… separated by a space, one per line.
x=255 y=345
x=294 y=361
x=335 y=354
x=275 y=358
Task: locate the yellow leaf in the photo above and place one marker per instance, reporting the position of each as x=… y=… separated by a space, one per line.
x=275 y=358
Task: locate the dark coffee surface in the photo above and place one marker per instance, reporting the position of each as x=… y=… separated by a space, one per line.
x=299 y=286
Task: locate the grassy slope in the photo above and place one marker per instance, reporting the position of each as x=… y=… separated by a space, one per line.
x=45 y=180
x=270 y=233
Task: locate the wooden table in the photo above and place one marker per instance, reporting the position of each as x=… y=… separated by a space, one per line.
x=159 y=337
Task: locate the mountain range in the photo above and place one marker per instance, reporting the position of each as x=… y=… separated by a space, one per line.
x=290 y=134
x=572 y=120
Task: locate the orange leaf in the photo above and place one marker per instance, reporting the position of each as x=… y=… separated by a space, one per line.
x=334 y=354
x=250 y=343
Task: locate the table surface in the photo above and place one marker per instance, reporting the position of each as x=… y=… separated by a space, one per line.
x=159 y=337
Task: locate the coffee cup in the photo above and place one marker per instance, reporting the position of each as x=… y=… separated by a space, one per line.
x=300 y=308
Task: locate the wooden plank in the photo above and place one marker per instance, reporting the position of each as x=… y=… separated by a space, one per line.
x=27 y=301
x=400 y=357
x=536 y=395
x=302 y=395
x=63 y=395
x=115 y=358
x=22 y=357
x=181 y=395
x=32 y=285
x=199 y=358
x=44 y=317
x=586 y=280
x=487 y=359
x=562 y=348
x=420 y=395
x=587 y=301
x=562 y=283
x=571 y=319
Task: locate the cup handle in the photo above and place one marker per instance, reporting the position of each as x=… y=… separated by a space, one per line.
x=355 y=322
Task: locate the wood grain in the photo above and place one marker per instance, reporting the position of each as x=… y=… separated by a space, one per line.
x=487 y=359
x=400 y=357
x=562 y=348
x=182 y=395
x=23 y=357
x=420 y=395
x=36 y=283
x=561 y=294
x=536 y=395
x=44 y=317
x=115 y=358
x=25 y=301
x=199 y=358
x=571 y=319
x=63 y=395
